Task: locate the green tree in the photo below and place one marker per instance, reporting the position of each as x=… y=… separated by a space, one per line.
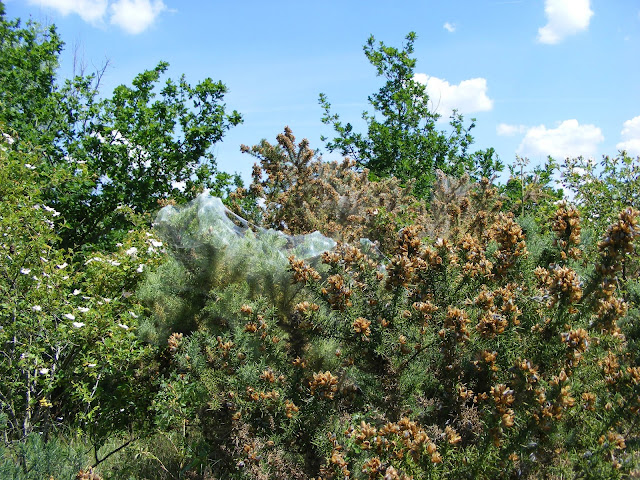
x=133 y=149
x=403 y=138
x=142 y=149
x=28 y=62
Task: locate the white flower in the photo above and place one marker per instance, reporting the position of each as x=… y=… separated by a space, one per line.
x=62 y=265
x=51 y=210
x=119 y=244
x=36 y=308
x=8 y=138
x=132 y=251
x=123 y=326
x=44 y=371
x=115 y=263
x=155 y=243
x=78 y=324
x=29 y=166
x=140 y=268
x=25 y=271
x=91 y=365
x=83 y=309
x=133 y=315
x=76 y=292
x=70 y=316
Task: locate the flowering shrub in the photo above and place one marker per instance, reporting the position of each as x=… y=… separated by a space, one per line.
x=477 y=344
x=67 y=324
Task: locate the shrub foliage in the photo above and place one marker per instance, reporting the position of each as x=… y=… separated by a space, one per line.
x=486 y=352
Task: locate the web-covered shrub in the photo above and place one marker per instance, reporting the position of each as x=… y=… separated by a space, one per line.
x=299 y=193
x=213 y=248
x=224 y=306
x=490 y=351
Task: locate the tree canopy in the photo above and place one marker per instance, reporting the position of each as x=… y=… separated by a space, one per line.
x=132 y=149
x=403 y=137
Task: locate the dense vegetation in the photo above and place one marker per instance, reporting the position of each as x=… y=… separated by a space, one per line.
x=480 y=331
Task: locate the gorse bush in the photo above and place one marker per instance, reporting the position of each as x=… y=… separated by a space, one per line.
x=483 y=353
x=300 y=194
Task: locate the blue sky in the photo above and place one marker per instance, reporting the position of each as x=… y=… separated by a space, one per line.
x=541 y=77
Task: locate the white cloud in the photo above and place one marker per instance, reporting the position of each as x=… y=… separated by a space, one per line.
x=506 y=130
x=91 y=11
x=467 y=97
x=449 y=27
x=568 y=139
x=135 y=16
x=630 y=136
x=564 y=18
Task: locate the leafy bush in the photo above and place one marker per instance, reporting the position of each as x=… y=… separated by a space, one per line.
x=71 y=358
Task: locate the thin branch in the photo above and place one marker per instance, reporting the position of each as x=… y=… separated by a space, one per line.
x=112 y=452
